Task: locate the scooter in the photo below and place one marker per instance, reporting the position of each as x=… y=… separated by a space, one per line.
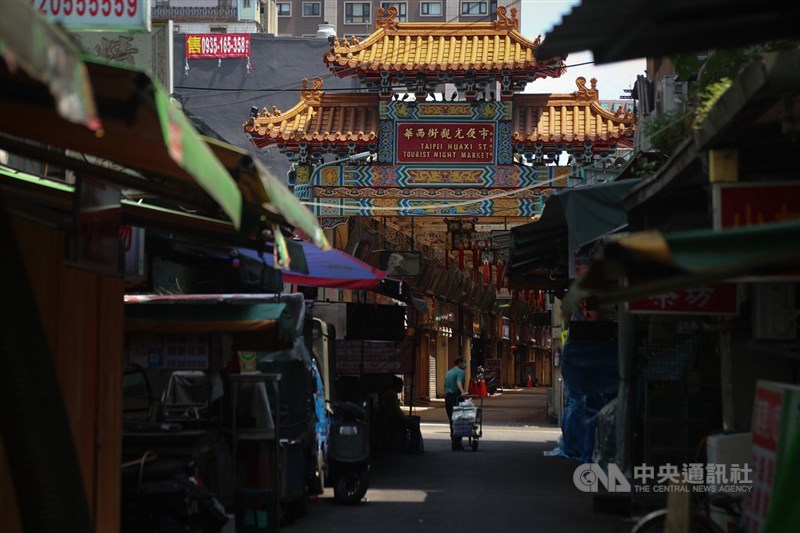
x=490 y=379
x=348 y=453
x=165 y=495
x=491 y=382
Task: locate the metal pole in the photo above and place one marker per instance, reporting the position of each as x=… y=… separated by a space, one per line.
x=413 y=378
x=626 y=393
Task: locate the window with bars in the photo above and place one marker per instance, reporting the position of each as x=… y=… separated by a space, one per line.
x=430 y=9
x=474 y=8
x=356 y=13
x=402 y=9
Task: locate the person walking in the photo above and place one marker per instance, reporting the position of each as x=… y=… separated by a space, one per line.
x=454 y=389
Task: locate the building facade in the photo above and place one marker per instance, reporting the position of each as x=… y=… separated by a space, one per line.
x=218 y=16
x=444 y=168
x=303 y=17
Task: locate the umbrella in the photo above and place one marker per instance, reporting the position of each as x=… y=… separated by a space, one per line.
x=331 y=268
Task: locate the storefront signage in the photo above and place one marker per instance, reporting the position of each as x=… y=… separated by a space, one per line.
x=774 y=426
x=79 y=15
x=445 y=142
x=169 y=351
x=217 y=45
x=749 y=204
x=717 y=299
x=375 y=357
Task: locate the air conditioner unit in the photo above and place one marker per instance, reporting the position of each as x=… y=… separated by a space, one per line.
x=670 y=95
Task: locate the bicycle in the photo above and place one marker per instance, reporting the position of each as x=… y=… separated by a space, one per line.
x=700 y=517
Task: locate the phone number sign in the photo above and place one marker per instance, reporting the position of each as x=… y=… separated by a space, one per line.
x=459 y=142
x=128 y=15
x=217 y=45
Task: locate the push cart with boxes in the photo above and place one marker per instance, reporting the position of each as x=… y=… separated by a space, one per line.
x=468 y=422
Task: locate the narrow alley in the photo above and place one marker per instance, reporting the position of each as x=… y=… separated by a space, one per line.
x=508 y=484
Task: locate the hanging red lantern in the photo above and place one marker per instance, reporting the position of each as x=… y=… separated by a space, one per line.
x=487 y=271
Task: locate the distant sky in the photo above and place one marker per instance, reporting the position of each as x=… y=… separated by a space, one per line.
x=539 y=17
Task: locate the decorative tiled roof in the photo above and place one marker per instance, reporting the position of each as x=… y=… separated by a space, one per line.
x=318 y=118
x=570 y=118
x=342 y=120
x=435 y=47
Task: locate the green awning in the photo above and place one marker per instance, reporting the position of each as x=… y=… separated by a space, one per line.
x=29 y=42
x=142 y=131
x=539 y=254
x=265 y=194
x=653 y=262
x=34 y=182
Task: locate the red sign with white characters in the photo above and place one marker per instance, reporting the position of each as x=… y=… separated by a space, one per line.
x=217 y=45
x=445 y=143
x=717 y=299
x=766 y=433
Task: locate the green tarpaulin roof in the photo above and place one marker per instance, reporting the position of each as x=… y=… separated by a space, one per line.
x=653 y=262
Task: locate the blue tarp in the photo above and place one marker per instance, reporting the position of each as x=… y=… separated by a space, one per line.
x=591 y=378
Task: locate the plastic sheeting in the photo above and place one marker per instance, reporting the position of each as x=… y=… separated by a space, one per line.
x=605 y=437
x=590 y=372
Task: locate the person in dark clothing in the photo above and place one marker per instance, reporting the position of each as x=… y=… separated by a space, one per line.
x=454 y=389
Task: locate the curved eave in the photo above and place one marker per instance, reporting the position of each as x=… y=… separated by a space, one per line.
x=334 y=119
x=569 y=119
x=435 y=48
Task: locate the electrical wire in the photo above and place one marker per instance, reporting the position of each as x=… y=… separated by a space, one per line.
x=500 y=195
x=297 y=90
x=351 y=70
x=343 y=73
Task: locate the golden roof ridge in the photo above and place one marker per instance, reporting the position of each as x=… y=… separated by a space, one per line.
x=353 y=54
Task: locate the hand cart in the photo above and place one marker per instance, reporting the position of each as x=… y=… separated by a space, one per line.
x=468 y=421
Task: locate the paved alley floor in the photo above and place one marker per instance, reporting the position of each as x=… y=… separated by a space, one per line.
x=508 y=484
